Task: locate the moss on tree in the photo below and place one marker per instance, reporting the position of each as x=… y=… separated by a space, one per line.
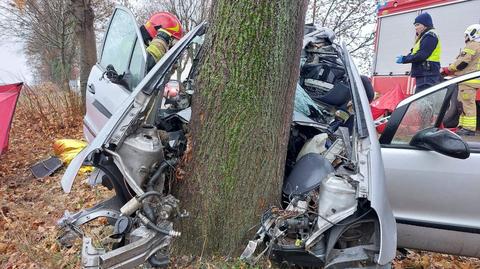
x=241 y=117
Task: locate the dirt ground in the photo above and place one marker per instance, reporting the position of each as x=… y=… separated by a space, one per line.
x=29 y=208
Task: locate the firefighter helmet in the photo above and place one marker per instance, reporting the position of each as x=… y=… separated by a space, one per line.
x=472 y=32
x=166 y=21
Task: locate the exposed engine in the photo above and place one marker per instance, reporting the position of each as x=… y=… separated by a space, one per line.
x=140 y=166
x=142 y=211
x=144 y=150
x=324 y=214
x=325 y=218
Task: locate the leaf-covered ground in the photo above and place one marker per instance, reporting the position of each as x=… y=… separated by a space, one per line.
x=29 y=208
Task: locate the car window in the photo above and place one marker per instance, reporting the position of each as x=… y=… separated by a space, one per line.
x=421 y=113
x=181 y=76
x=464 y=112
x=119 y=42
x=137 y=64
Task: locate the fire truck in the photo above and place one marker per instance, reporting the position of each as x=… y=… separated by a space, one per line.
x=395 y=35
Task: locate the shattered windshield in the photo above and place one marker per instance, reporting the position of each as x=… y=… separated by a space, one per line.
x=304 y=103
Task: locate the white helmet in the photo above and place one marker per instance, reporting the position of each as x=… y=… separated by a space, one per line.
x=472 y=33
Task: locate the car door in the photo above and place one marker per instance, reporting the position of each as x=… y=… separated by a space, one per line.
x=434 y=197
x=122 y=48
x=134 y=105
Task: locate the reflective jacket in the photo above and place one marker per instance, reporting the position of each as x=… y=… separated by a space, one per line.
x=155 y=51
x=425 y=55
x=468 y=61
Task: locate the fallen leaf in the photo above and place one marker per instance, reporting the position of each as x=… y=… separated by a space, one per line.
x=54 y=247
x=3 y=248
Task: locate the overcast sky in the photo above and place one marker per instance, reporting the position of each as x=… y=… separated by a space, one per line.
x=13 y=65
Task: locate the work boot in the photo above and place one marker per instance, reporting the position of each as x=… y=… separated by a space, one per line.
x=465 y=132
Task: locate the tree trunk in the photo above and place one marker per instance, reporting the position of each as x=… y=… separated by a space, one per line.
x=314 y=12
x=64 y=70
x=241 y=118
x=83 y=12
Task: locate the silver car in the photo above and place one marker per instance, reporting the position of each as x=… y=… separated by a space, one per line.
x=123 y=120
x=434 y=196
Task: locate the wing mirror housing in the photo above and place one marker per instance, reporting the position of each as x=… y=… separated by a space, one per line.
x=114 y=77
x=442 y=141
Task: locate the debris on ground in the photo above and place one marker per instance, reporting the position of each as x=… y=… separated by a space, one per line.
x=46 y=167
x=29 y=209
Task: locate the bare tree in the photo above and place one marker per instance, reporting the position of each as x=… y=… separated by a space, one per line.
x=352 y=21
x=189 y=12
x=103 y=10
x=84 y=15
x=52 y=31
x=46 y=29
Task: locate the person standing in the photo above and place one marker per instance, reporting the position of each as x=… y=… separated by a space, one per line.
x=425 y=54
x=467 y=61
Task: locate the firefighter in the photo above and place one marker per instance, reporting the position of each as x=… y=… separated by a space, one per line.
x=425 y=54
x=159 y=34
x=467 y=61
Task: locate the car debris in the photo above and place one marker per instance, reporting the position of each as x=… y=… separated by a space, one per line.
x=325 y=218
x=46 y=167
x=328 y=208
x=137 y=160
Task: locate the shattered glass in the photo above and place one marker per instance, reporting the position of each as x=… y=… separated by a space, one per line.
x=304 y=103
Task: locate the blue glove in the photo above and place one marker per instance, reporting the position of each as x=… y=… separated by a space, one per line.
x=400 y=59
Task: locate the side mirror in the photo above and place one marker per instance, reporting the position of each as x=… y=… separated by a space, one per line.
x=114 y=77
x=442 y=141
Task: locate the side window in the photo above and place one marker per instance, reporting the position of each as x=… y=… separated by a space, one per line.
x=119 y=42
x=468 y=108
x=137 y=64
x=421 y=113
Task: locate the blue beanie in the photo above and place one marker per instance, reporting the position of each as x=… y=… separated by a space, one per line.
x=424 y=19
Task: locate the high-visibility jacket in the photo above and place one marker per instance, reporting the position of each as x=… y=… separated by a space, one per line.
x=435 y=55
x=468 y=61
x=157 y=48
x=425 y=55
x=155 y=51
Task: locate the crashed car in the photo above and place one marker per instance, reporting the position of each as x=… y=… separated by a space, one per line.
x=335 y=211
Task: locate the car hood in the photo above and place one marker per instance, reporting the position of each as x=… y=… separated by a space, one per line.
x=365 y=142
x=129 y=109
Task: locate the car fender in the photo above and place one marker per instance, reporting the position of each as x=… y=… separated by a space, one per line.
x=130 y=107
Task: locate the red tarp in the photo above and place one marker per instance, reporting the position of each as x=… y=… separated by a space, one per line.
x=387 y=102
x=8 y=100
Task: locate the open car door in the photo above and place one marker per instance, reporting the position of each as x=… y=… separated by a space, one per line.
x=124 y=51
x=130 y=143
x=433 y=179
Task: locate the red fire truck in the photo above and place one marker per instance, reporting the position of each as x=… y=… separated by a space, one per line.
x=395 y=35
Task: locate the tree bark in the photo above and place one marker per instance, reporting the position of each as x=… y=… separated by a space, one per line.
x=241 y=118
x=83 y=12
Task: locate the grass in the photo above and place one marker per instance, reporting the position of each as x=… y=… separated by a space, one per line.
x=55 y=109
x=30 y=207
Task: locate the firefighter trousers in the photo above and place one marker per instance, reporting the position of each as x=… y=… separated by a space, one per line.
x=467 y=95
